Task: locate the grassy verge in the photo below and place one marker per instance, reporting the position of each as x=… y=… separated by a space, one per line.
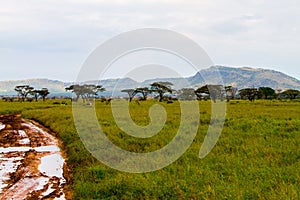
x=256 y=157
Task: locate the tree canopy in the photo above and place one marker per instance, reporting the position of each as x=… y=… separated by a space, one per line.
x=186 y=94
x=250 y=93
x=131 y=93
x=23 y=91
x=161 y=88
x=214 y=91
x=85 y=91
x=42 y=92
x=230 y=92
x=292 y=94
x=267 y=92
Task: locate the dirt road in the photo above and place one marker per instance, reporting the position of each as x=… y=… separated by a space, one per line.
x=31 y=164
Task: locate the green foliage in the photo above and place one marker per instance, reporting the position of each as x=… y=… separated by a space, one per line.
x=291 y=93
x=267 y=92
x=256 y=157
x=42 y=92
x=23 y=90
x=250 y=93
x=85 y=91
x=214 y=91
x=161 y=88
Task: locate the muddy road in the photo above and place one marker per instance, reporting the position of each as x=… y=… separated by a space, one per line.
x=31 y=164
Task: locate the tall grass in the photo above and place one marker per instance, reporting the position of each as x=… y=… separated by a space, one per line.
x=257 y=155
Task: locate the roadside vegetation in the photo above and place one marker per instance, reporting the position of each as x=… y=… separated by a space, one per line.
x=256 y=157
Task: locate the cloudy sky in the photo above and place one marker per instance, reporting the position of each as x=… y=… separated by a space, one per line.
x=53 y=38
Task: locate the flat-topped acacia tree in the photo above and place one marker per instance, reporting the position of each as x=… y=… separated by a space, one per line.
x=161 y=88
x=186 y=94
x=267 y=92
x=85 y=91
x=144 y=91
x=214 y=91
x=230 y=92
x=131 y=93
x=291 y=93
x=44 y=92
x=23 y=91
x=250 y=93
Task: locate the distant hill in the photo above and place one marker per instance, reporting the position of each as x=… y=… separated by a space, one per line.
x=253 y=77
x=239 y=77
x=7 y=87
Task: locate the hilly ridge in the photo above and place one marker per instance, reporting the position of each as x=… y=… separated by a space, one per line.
x=238 y=77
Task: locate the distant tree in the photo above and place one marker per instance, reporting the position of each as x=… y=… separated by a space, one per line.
x=250 y=93
x=200 y=91
x=267 y=92
x=91 y=91
x=214 y=91
x=131 y=93
x=186 y=94
x=23 y=91
x=292 y=94
x=161 y=88
x=44 y=92
x=76 y=89
x=85 y=91
x=35 y=94
x=230 y=92
x=144 y=91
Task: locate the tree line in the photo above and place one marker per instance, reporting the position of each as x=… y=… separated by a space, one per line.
x=27 y=92
x=213 y=92
x=163 y=91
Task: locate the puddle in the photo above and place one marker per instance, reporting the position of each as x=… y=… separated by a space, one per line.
x=31 y=164
x=2 y=126
x=52 y=165
x=8 y=165
x=24 y=149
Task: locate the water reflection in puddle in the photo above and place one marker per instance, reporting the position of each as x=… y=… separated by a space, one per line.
x=46 y=154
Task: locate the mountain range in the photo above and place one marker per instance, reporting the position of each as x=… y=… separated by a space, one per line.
x=239 y=77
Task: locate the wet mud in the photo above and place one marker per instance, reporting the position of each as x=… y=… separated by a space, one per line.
x=31 y=163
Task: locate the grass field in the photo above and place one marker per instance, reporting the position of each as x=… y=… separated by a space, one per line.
x=256 y=157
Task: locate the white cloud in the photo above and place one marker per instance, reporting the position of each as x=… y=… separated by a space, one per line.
x=258 y=32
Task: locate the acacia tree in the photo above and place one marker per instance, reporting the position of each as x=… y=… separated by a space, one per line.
x=214 y=91
x=23 y=91
x=250 y=93
x=230 y=92
x=144 y=91
x=43 y=93
x=200 y=91
x=35 y=93
x=91 y=91
x=267 y=92
x=161 y=88
x=76 y=89
x=292 y=94
x=186 y=94
x=85 y=91
x=131 y=93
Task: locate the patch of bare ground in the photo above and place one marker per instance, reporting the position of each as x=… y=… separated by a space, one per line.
x=31 y=164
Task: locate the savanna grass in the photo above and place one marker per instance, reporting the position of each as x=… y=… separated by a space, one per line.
x=257 y=155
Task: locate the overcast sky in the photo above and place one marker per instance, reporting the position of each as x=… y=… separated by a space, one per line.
x=52 y=38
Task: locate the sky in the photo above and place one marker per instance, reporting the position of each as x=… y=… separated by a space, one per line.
x=53 y=38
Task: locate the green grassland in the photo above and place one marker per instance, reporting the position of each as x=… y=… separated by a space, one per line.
x=256 y=157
